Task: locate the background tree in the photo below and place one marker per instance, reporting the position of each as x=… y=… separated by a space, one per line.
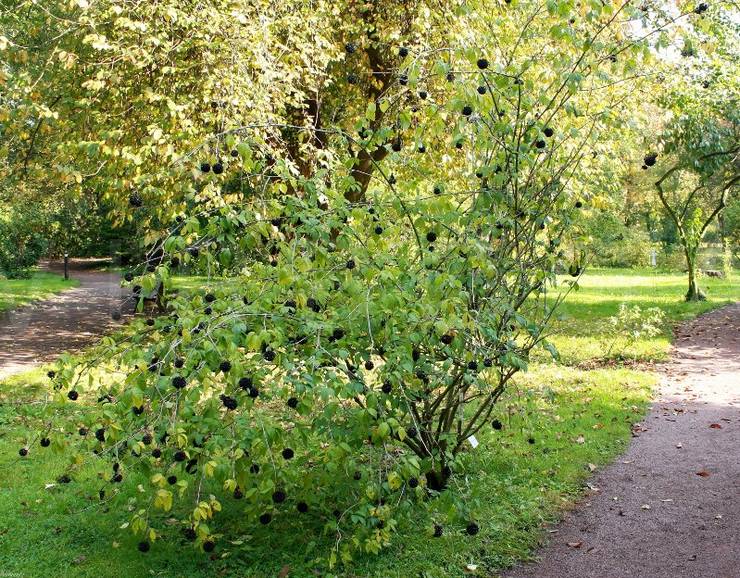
x=701 y=143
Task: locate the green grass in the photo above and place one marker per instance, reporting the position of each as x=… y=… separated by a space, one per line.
x=583 y=317
x=578 y=419
x=18 y=292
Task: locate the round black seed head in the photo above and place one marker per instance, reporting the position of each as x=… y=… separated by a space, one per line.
x=423 y=94
x=481 y=89
x=369 y=365
x=225 y=366
x=254 y=392
x=431 y=236
x=238 y=494
x=472 y=529
x=438 y=530
x=467 y=110
x=278 y=497
x=288 y=454
x=178 y=382
x=411 y=432
x=530 y=440
x=100 y=434
x=302 y=507
x=218 y=168
x=472 y=366
x=350 y=47
x=205 y=167
x=497 y=425
x=265 y=519
x=293 y=402
x=413 y=482
x=73 y=395
x=144 y=546
x=172 y=480
x=135 y=200
x=45 y=442
x=189 y=534
x=229 y=402
x=269 y=355
x=23 y=452
x=447 y=338
x=156 y=453
x=180 y=456
x=482 y=63
x=548 y=132
x=387 y=387
x=209 y=546
x=403 y=52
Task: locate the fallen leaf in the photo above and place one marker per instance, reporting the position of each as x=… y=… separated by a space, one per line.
x=703 y=473
x=645 y=506
x=715 y=426
x=471 y=567
x=580 y=440
x=575 y=544
x=591 y=467
x=284 y=571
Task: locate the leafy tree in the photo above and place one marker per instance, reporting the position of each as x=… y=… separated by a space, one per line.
x=702 y=168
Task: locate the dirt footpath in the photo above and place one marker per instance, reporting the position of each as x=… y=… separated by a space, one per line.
x=69 y=321
x=669 y=507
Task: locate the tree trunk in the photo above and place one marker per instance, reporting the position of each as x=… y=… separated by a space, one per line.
x=694 y=293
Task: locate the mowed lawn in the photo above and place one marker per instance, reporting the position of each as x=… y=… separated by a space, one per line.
x=577 y=420
x=41 y=285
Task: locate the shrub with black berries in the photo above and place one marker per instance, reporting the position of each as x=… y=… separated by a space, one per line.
x=332 y=358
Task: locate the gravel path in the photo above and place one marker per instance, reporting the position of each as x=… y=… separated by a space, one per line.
x=67 y=322
x=669 y=507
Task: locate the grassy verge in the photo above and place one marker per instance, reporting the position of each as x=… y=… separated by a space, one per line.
x=577 y=420
x=18 y=292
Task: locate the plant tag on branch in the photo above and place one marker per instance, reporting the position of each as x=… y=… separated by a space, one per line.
x=473 y=442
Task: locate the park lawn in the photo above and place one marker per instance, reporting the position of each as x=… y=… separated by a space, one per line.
x=577 y=419
x=582 y=321
x=42 y=285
